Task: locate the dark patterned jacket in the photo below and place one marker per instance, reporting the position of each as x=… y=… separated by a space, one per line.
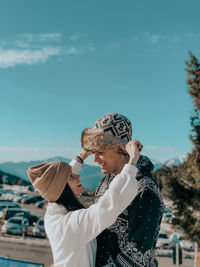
x=131 y=240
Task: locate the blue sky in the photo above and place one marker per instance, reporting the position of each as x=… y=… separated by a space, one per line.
x=63 y=64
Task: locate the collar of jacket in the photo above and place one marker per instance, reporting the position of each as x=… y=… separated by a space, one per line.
x=145 y=167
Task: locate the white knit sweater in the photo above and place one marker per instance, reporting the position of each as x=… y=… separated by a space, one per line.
x=72 y=233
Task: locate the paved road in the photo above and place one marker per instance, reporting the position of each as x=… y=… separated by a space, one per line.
x=38 y=250
x=167 y=262
x=27 y=249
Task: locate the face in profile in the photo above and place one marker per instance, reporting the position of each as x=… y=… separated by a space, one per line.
x=75 y=184
x=110 y=161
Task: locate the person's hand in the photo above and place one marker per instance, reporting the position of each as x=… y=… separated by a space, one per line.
x=84 y=154
x=133 y=148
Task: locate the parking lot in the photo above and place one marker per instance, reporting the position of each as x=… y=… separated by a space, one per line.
x=21 y=212
x=23 y=215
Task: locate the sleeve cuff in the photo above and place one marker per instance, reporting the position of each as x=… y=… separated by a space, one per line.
x=76 y=166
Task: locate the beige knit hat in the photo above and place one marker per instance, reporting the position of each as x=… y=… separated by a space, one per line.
x=50 y=178
x=111 y=129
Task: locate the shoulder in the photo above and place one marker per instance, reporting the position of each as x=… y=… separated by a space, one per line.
x=147 y=186
x=54 y=214
x=54 y=208
x=148 y=196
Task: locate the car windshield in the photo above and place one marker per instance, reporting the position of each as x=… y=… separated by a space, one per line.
x=18 y=221
x=41 y=222
x=163 y=236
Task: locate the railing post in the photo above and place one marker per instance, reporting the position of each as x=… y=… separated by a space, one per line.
x=195 y=254
x=177 y=254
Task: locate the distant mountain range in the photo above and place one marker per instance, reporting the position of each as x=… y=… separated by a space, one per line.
x=170 y=162
x=90 y=175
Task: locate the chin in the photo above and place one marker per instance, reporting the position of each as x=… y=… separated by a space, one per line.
x=105 y=171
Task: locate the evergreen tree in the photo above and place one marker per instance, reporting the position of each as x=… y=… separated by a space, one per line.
x=182 y=183
x=193 y=80
x=193 y=70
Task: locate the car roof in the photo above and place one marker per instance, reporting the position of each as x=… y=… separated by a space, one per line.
x=17 y=218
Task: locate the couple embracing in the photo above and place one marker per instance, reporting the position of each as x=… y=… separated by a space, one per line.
x=120 y=229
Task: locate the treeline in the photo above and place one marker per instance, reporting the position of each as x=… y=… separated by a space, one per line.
x=6 y=178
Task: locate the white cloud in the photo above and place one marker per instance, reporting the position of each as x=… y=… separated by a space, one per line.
x=79 y=50
x=87 y=48
x=34 y=48
x=13 y=57
x=75 y=37
x=31 y=38
x=71 y=50
x=152 y=38
x=155 y=38
x=21 y=44
x=50 y=37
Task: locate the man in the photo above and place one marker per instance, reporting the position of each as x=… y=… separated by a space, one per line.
x=131 y=240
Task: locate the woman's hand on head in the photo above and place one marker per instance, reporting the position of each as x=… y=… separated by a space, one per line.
x=84 y=154
x=133 y=148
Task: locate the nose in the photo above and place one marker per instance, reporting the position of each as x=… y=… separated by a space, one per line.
x=96 y=157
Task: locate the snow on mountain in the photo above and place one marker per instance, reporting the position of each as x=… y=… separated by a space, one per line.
x=175 y=161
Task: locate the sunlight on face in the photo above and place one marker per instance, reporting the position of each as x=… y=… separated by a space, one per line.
x=75 y=185
x=110 y=161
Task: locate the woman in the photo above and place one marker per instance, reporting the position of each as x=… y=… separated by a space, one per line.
x=70 y=227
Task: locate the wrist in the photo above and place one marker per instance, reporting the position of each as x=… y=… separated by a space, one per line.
x=79 y=159
x=82 y=155
x=133 y=164
x=133 y=161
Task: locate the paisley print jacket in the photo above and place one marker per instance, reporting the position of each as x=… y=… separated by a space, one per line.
x=131 y=240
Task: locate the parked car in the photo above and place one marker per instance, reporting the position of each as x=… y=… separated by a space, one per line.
x=38 y=229
x=167 y=210
x=177 y=237
x=40 y=203
x=31 y=188
x=167 y=218
x=163 y=241
x=8 y=196
x=33 y=219
x=8 y=211
x=3 y=200
x=4 y=204
x=11 y=212
x=31 y=199
x=187 y=245
x=17 y=197
x=20 y=198
x=15 y=226
x=5 y=191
